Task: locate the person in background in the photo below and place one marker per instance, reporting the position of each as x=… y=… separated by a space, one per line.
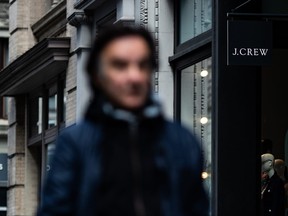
x=279 y=166
x=281 y=170
x=272 y=191
x=125 y=157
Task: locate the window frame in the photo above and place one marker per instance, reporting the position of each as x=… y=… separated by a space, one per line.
x=178 y=47
x=190 y=59
x=48 y=135
x=55 y=85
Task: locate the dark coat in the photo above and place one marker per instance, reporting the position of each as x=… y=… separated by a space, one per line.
x=109 y=163
x=273 y=201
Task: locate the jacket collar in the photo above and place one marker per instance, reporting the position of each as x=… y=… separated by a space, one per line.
x=101 y=109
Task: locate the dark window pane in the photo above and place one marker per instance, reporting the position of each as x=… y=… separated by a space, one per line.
x=3 y=201
x=35 y=116
x=49 y=155
x=52 y=111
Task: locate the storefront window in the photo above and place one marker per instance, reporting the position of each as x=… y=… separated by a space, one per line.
x=194 y=18
x=196 y=106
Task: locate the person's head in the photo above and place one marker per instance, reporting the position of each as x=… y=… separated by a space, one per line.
x=279 y=166
x=267 y=162
x=120 y=65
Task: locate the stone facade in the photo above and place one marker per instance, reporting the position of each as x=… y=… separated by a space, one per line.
x=27 y=27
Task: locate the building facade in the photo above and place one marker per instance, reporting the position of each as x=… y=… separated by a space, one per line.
x=47 y=89
x=44 y=79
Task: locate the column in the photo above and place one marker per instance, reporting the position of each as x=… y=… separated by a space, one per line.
x=84 y=37
x=16 y=156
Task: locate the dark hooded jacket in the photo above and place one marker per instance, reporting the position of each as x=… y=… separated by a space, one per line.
x=119 y=163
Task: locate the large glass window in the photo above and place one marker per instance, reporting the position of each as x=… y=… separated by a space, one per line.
x=196 y=109
x=192 y=66
x=194 y=18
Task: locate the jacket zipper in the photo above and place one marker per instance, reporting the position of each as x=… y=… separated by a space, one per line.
x=138 y=200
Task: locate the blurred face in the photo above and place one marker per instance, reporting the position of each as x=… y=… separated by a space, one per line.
x=125 y=72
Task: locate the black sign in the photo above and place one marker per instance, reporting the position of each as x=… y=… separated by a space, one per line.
x=3 y=167
x=249 y=42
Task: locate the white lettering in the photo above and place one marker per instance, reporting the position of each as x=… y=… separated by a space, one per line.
x=263 y=52
x=242 y=49
x=249 y=51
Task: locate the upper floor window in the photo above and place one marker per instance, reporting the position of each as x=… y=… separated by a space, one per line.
x=52 y=107
x=47 y=107
x=194 y=18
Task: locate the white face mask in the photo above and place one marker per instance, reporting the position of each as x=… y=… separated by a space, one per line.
x=266 y=165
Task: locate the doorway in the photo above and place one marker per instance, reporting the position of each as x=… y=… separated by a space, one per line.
x=274 y=121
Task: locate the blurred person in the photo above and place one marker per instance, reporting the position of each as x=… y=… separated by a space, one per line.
x=124 y=158
x=279 y=166
x=281 y=169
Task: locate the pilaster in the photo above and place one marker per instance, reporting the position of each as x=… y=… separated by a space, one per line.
x=16 y=157
x=82 y=22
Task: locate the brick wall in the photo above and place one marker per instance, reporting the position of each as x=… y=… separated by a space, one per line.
x=71 y=91
x=71 y=77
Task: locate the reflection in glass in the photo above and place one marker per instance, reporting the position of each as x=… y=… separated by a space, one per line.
x=49 y=155
x=52 y=112
x=195 y=18
x=196 y=105
x=64 y=105
x=35 y=115
x=39 y=122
